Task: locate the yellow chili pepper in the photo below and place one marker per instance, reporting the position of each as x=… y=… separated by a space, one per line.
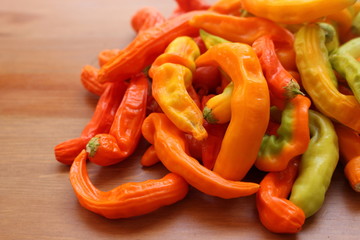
x=317 y=76
x=250 y=107
x=172 y=75
x=294 y=11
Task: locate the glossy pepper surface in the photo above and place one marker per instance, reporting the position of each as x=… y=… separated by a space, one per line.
x=129 y=199
x=294 y=11
x=317 y=165
x=144 y=49
x=250 y=107
x=171 y=148
x=109 y=148
x=292 y=137
x=276 y=212
x=349 y=145
x=319 y=79
x=171 y=75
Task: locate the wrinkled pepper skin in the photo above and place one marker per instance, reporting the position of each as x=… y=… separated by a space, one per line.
x=344 y=62
x=100 y=122
x=281 y=83
x=171 y=148
x=317 y=165
x=240 y=29
x=318 y=79
x=106 y=55
x=89 y=81
x=250 y=107
x=292 y=139
x=349 y=145
x=145 y=18
x=294 y=12
x=129 y=199
x=144 y=49
x=125 y=132
x=276 y=212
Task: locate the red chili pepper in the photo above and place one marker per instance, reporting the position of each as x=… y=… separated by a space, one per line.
x=146 y=18
x=100 y=122
x=89 y=80
x=184 y=6
x=281 y=83
x=125 y=132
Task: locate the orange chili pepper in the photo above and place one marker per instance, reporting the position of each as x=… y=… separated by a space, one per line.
x=125 y=132
x=292 y=140
x=250 y=107
x=184 y=6
x=230 y=7
x=106 y=55
x=349 y=146
x=129 y=199
x=240 y=29
x=146 y=47
x=170 y=146
x=149 y=157
x=276 y=212
x=145 y=18
x=100 y=122
x=88 y=79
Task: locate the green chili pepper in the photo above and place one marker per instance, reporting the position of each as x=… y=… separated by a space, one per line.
x=317 y=165
x=344 y=61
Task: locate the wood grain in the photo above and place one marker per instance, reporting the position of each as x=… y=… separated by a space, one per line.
x=43 y=45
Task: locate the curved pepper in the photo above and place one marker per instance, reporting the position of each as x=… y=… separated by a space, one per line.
x=344 y=61
x=125 y=132
x=129 y=199
x=318 y=79
x=170 y=146
x=293 y=12
x=240 y=29
x=100 y=122
x=349 y=145
x=317 y=165
x=276 y=212
x=292 y=138
x=172 y=75
x=106 y=55
x=250 y=107
x=281 y=83
x=231 y=7
x=146 y=47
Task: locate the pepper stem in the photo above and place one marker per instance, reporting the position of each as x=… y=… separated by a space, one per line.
x=92 y=146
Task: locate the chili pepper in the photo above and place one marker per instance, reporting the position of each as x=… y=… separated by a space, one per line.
x=125 y=132
x=250 y=107
x=106 y=55
x=317 y=165
x=240 y=29
x=272 y=128
x=344 y=61
x=212 y=144
x=281 y=83
x=319 y=79
x=349 y=145
x=88 y=79
x=149 y=157
x=184 y=6
x=230 y=7
x=206 y=78
x=100 y=122
x=276 y=212
x=170 y=146
x=218 y=108
x=293 y=12
x=182 y=50
x=342 y=20
x=145 y=18
x=146 y=47
x=292 y=138
x=129 y=199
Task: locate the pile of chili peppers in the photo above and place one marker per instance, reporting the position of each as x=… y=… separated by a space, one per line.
x=218 y=89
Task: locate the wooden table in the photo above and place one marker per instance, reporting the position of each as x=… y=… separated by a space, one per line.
x=43 y=45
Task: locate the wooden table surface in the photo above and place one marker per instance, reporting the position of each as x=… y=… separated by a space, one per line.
x=43 y=45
